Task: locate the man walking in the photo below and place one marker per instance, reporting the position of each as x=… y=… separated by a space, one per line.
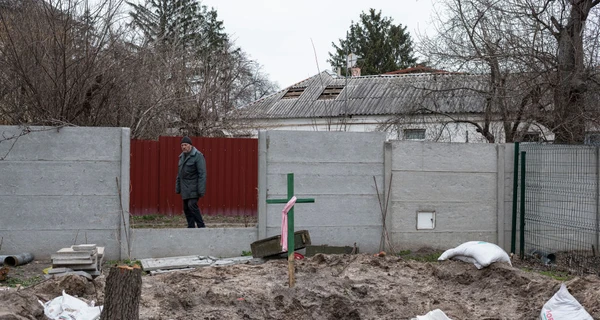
x=191 y=182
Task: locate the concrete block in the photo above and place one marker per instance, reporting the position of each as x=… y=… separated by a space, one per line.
x=447 y=157
x=88 y=247
x=59 y=257
x=68 y=262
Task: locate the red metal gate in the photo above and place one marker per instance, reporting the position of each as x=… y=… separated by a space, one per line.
x=231 y=184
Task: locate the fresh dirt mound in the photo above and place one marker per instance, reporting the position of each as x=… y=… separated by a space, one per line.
x=334 y=287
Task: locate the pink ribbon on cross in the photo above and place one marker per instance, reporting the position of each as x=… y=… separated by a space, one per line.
x=284 y=223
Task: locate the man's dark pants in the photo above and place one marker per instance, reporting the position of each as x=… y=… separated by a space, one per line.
x=192 y=213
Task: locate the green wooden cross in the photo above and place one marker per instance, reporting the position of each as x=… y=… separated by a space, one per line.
x=290 y=231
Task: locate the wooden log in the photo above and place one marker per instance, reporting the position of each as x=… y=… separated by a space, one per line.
x=122 y=294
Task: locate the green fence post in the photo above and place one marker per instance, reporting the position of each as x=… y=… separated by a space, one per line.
x=513 y=233
x=522 y=231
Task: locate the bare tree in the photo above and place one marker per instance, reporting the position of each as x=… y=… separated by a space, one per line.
x=79 y=62
x=56 y=63
x=534 y=58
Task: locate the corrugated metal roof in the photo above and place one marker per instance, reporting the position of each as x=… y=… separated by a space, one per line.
x=375 y=95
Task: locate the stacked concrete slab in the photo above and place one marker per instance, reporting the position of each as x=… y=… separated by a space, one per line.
x=82 y=257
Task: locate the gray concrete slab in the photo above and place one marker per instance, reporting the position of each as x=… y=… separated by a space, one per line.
x=220 y=242
x=64 y=144
x=449 y=157
x=59 y=178
x=331 y=210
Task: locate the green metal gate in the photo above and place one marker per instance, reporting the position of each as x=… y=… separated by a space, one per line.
x=556 y=207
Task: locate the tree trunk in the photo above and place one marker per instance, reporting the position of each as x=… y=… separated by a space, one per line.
x=122 y=294
x=569 y=126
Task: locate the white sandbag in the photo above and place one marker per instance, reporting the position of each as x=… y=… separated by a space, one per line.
x=69 y=307
x=436 y=314
x=480 y=253
x=563 y=306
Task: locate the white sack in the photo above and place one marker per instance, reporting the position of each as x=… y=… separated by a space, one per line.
x=436 y=314
x=563 y=306
x=69 y=307
x=480 y=253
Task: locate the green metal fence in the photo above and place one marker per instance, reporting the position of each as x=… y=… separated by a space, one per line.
x=557 y=205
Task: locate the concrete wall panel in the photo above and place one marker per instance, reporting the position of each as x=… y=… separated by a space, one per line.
x=43 y=243
x=449 y=217
x=443 y=186
x=64 y=144
x=327 y=168
x=58 y=187
x=330 y=211
x=219 y=242
x=59 y=213
x=325 y=184
x=437 y=240
x=311 y=147
x=59 y=178
x=452 y=157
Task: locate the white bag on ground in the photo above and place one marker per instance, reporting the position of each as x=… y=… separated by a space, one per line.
x=563 y=306
x=479 y=253
x=436 y=314
x=69 y=307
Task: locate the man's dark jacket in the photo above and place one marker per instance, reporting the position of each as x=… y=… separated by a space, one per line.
x=191 y=177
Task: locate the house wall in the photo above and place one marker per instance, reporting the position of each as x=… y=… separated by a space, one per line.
x=58 y=187
x=439 y=130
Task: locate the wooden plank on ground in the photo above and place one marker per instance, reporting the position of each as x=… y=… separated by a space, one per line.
x=176 y=262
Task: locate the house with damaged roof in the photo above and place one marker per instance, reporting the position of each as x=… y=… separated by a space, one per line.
x=412 y=104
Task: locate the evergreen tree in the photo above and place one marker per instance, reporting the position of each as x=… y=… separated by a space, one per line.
x=179 y=23
x=381 y=45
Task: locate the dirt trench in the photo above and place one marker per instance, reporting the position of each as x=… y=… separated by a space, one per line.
x=327 y=287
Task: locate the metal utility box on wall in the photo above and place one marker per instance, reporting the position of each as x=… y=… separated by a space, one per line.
x=425 y=220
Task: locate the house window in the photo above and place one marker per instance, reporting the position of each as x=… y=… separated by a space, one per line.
x=414 y=134
x=331 y=92
x=592 y=138
x=531 y=137
x=293 y=93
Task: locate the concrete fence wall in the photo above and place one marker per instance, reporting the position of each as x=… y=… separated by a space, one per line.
x=466 y=187
x=337 y=169
x=454 y=185
x=58 y=187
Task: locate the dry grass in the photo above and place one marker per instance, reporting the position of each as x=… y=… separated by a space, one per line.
x=156 y=221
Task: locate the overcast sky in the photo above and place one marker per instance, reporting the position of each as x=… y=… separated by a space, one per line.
x=278 y=33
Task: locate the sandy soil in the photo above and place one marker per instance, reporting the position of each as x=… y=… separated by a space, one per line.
x=328 y=287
